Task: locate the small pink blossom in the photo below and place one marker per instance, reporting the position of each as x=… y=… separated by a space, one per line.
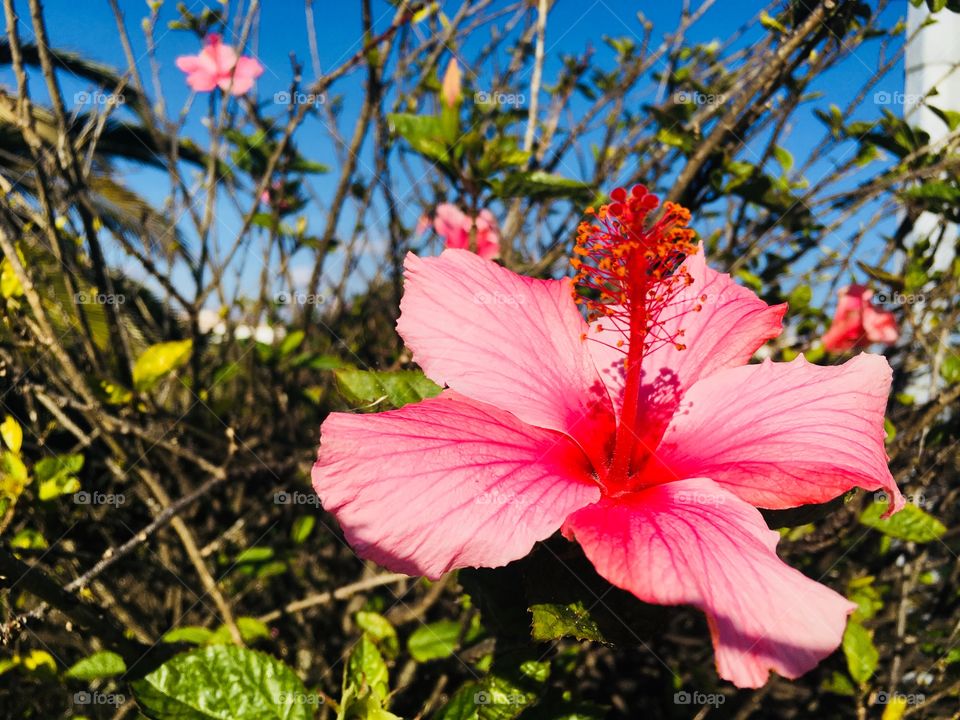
x=857 y=323
x=643 y=434
x=450 y=88
x=217 y=65
x=454 y=226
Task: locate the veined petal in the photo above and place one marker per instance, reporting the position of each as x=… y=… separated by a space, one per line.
x=693 y=542
x=730 y=326
x=447 y=483
x=779 y=435
x=498 y=337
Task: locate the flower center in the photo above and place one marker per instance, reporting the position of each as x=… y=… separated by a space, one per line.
x=628 y=275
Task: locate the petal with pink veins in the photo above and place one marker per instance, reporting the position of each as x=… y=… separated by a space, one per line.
x=693 y=542
x=779 y=435
x=505 y=339
x=447 y=483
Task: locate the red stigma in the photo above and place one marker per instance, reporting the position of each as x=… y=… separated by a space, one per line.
x=627 y=264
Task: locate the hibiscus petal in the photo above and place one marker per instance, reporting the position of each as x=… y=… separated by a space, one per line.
x=779 y=435
x=246 y=71
x=692 y=542
x=447 y=483
x=730 y=326
x=188 y=63
x=502 y=338
x=200 y=77
x=223 y=56
x=453 y=226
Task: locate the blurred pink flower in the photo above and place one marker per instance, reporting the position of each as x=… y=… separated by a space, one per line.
x=450 y=88
x=857 y=323
x=217 y=65
x=651 y=453
x=454 y=226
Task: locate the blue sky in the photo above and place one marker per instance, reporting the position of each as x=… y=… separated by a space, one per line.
x=573 y=26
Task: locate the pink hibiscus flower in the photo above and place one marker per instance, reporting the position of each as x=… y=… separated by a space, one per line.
x=857 y=323
x=652 y=453
x=454 y=226
x=217 y=65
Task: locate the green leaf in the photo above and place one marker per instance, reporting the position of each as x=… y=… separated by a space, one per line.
x=783 y=157
x=434 y=641
x=839 y=684
x=160 y=360
x=100 y=665
x=861 y=653
x=39 y=660
x=911 y=523
x=539 y=185
x=800 y=297
x=254 y=555
x=223 y=682
x=250 y=629
x=366 y=387
x=772 y=23
x=56 y=475
x=302 y=527
x=381 y=630
x=193 y=634
x=896 y=708
x=426 y=134
x=950 y=369
x=302 y=165
x=552 y=621
x=492 y=698
x=864 y=593
x=29 y=539
x=366 y=669
x=12 y=433
x=9 y=283
x=950 y=117
x=291 y=342
x=13 y=478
